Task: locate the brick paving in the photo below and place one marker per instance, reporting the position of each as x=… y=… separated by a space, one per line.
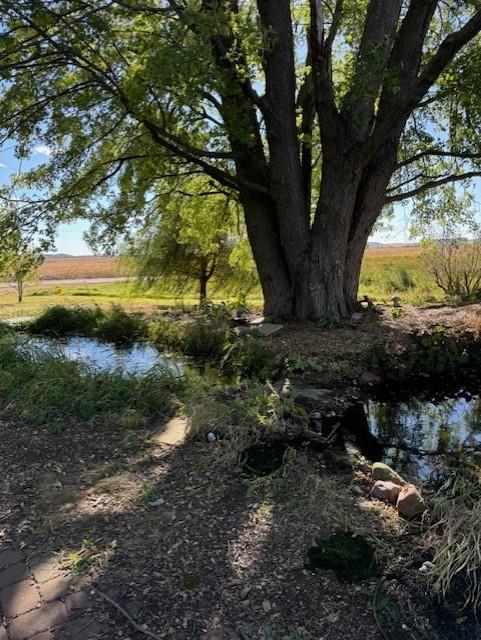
x=37 y=602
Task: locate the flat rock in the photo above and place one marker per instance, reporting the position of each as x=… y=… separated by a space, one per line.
x=268 y=329
x=410 y=502
x=173 y=433
x=381 y=471
x=386 y=490
x=263 y=330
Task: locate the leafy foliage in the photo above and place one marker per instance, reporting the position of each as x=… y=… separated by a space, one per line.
x=19 y=258
x=113 y=325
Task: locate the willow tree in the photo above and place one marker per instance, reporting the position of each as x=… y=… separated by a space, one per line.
x=315 y=113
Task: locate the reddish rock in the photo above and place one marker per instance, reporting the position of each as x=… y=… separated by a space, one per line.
x=369 y=378
x=410 y=502
x=385 y=490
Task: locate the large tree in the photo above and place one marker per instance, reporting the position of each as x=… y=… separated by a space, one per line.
x=314 y=113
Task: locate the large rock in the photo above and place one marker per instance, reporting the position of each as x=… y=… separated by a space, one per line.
x=386 y=490
x=369 y=378
x=410 y=502
x=381 y=471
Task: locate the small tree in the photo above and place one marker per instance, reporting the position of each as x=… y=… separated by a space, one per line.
x=456 y=266
x=19 y=259
x=193 y=239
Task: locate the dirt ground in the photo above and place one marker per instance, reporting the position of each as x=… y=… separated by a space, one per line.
x=192 y=549
x=368 y=327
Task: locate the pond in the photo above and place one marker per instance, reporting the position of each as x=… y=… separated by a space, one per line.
x=136 y=359
x=417 y=437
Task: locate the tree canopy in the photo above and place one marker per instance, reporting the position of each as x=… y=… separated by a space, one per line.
x=314 y=114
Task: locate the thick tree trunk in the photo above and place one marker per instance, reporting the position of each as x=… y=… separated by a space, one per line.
x=325 y=283
x=264 y=237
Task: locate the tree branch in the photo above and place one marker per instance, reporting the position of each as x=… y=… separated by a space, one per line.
x=439 y=153
x=448 y=49
x=432 y=184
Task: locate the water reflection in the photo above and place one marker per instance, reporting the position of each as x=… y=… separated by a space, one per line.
x=414 y=435
x=137 y=359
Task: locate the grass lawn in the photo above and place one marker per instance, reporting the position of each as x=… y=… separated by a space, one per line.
x=38 y=298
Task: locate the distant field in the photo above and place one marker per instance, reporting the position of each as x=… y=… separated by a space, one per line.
x=394 y=250
x=80 y=267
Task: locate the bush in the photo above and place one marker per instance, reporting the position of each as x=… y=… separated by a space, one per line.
x=166 y=334
x=456 y=267
x=251 y=357
x=64 y=321
x=205 y=340
x=120 y=327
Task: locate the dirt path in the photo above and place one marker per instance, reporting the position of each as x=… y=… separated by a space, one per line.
x=68 y=281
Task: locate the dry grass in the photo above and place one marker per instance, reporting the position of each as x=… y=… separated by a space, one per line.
x=393 y=251
x=80 y=267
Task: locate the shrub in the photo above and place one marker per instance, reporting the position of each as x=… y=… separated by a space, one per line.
x=456 y=267
x=454 y=536
x=121 y=327
x=166 y=334
x=251 y=357
x=64 y=321
x=205 y=340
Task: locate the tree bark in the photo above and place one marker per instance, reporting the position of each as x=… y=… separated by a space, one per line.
x=20 y=290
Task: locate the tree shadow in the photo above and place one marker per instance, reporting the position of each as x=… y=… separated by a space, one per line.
x=186 y=545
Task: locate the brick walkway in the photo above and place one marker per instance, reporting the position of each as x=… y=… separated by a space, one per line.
x=38 y=601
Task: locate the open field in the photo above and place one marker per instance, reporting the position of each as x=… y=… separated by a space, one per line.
x=393 y=250
x=80 y=267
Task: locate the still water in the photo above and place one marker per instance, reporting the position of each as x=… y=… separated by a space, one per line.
x=136 y=359
x=419 y=437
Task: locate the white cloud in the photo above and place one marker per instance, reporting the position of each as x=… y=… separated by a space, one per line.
x=44 y=149
x=3 y=166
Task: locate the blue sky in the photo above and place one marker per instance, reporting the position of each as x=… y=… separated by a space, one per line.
x=70 y=236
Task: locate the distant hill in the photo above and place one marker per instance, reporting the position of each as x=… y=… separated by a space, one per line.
x=68 y=256
x=392 y=245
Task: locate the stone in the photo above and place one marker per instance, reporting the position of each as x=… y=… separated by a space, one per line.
x=38 y=620
x=19 y=598
x=370 y=378
x=9 y=556
x=410 y=502
x=386 y=490
x=12 y=574
x=381 y=471
x=45 y=568
x=84 y=628
x=56 y=588
x=268 y=329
